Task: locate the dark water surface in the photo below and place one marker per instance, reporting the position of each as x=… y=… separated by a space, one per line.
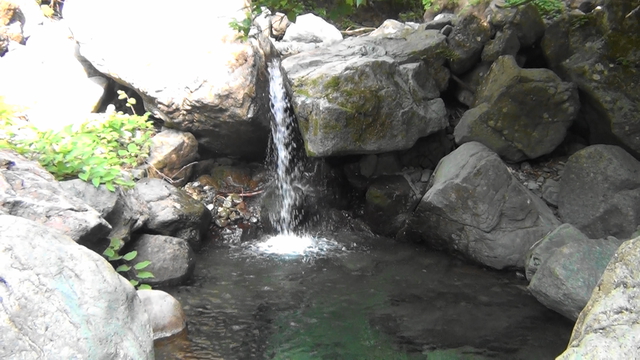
x=373 y=299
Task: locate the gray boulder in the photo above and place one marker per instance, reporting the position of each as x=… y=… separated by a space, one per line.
x=206 y=82
x=29 y=191
x=519 y=113
x=122 y=209
x=600 y=192
x=172 y=212
x=63 y=301
x=165 y=313
x=389 y=201
x=564 y=281
x=476 y=207
x=608 y=328
x=171 y=156
x=524 y=20
x=599 y=53
x=504 y=43
x=172 y=260
x=547 y=246
x=369 y=94
x=466 y=43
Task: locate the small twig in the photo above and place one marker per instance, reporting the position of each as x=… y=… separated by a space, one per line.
x=357 y=32
x=182 y=168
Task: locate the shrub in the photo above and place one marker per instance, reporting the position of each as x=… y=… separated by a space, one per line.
x=123 y=264
x=99 y=151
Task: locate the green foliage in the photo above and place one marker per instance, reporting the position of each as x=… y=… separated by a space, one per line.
x=94 y=151
x=550 y=8
x=123 y=264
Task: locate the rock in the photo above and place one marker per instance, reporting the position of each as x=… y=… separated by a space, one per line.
x=206 y=82
x=29 y=191
x=231 y=178
x=389 y=201
x=368 y=94
x=525 y=20
x=368 y=165
x=165 y=313
x=172 y=153
x=550 y=191
x=608 y=327
x=428 y=151
x=564 y=281
x=547 y=246
x=599 y=53
x=172 y=260
x=600 y=192
x=477 y=208
x=505 y=43
x=471 y=80
x=61 y=300
x=466 y=43
x=440 y=21
x=519 y=113
x=122 y=209
x=310 y=28
x=38 y=94
x=172 y=212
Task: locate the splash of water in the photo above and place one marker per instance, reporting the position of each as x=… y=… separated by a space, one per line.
x=287 y=168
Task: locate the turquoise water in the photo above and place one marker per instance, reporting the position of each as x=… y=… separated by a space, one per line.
x=370 y=299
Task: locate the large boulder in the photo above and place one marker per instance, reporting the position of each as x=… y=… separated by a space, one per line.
x=476 y=207
x=608 y=328
x=171 y=156
x=31 y=77
x=466 y=43
x=29 y=191
x=599 y=53
x=565 y=280
x=172 y=260
x=519 y=113
x=600 y=192
x=547 y=246
x=192 y=72
x=369 y=94
x=122 y=208
x=173 y=212
x=389 y=202
x=61 y=300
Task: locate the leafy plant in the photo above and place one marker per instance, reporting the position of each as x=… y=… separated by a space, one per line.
x=94 y=151
x=551 y=8
x=123 y=264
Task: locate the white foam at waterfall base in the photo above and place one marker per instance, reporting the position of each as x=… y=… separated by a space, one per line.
x=288 y=244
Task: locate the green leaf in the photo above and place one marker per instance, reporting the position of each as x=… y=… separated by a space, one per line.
x=141 y=265
x=144 y=287
x=109 y=253
x=123 y=152
x=96 y=181
x=130 y=255
x=144 y=275
x=133 y=148
x=123 y=268
x=84 y=176
x=110 y=187
x=134 y=282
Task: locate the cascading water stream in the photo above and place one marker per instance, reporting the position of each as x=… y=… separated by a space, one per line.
x=286 y=165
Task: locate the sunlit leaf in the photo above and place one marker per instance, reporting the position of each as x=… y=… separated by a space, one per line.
x=123 y=268
x=144 y=275
x=130 y=255
x=141 y=265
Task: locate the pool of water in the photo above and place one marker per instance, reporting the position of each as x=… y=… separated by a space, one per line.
x=363 y=297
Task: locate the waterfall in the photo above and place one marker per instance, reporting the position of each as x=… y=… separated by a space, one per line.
x=285 y=151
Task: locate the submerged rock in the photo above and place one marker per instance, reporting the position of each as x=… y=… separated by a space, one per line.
x=476 y=207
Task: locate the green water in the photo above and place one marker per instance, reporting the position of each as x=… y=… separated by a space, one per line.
x=378 y=300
